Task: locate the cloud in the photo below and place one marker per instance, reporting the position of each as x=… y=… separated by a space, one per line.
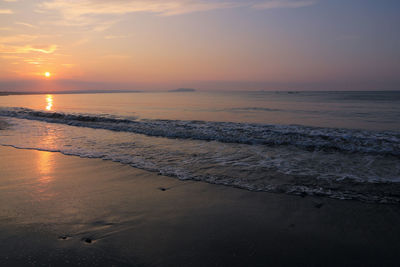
x=68 y=65
x=80 y=42
x=283 y=4
x=7 y=49
x=46 y=49
x=100 y=15
x=10 y=57
x=92 y=23
x=76 y=9
x=22 y=44
x=103 y=25
x=110 y=37
x=25 y=24
x=19 y=38
x=6 y=11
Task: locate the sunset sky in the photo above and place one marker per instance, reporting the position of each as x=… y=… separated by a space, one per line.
x=204 y=44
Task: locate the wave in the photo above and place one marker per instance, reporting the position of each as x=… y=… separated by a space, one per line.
x=281 y=169
x=305 y=137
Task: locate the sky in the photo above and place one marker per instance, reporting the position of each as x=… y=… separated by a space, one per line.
x=202 y=44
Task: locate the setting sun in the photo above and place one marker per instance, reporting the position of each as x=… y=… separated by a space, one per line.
x=47 y=74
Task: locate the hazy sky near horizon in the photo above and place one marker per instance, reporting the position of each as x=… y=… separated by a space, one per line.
x=207 y=44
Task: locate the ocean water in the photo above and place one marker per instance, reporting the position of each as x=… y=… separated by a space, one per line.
x=337 y=144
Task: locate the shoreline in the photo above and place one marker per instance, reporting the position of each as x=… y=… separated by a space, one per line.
x=65 y=210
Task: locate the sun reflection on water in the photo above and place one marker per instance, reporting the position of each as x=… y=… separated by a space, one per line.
x=49 y=101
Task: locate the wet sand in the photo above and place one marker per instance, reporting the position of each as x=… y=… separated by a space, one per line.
x=66 y=211
x=3 y=124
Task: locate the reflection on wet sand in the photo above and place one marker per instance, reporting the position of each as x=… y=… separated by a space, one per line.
x=45 y=166
x=44 y=163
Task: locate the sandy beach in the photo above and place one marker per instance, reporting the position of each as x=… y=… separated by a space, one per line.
x=62 y=210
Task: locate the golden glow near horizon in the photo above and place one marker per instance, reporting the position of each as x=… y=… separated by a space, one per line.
x=47 y=74
x=49 y=101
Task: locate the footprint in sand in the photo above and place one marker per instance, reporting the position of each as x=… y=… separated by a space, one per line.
x=87 y=240
x=64 y=237
x=163 y=188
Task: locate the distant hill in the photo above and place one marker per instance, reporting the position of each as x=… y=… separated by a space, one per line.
x=183 y=90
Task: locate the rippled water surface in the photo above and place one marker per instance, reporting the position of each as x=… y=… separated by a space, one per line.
x=342 y=145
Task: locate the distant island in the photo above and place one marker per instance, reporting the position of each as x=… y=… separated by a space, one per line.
x=183 y=90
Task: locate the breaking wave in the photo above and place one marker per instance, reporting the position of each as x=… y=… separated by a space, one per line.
x=309 y=138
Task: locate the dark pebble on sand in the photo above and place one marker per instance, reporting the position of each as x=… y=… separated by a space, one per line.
x=63 y=237
x=163 y=189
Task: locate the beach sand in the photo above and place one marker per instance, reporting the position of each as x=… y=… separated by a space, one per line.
x=65 y=211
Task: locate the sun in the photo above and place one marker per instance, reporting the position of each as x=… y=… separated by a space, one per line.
x=47 y=74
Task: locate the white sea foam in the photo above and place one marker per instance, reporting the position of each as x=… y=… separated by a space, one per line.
x=289 y=167
x=310 y=138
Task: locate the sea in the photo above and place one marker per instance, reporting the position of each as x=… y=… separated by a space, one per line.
x=343 y=145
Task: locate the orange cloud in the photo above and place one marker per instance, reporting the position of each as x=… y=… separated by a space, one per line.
x=19 y=38
x=74 y=9
x=6 y=11
x=27 y=49
x=25 y=24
